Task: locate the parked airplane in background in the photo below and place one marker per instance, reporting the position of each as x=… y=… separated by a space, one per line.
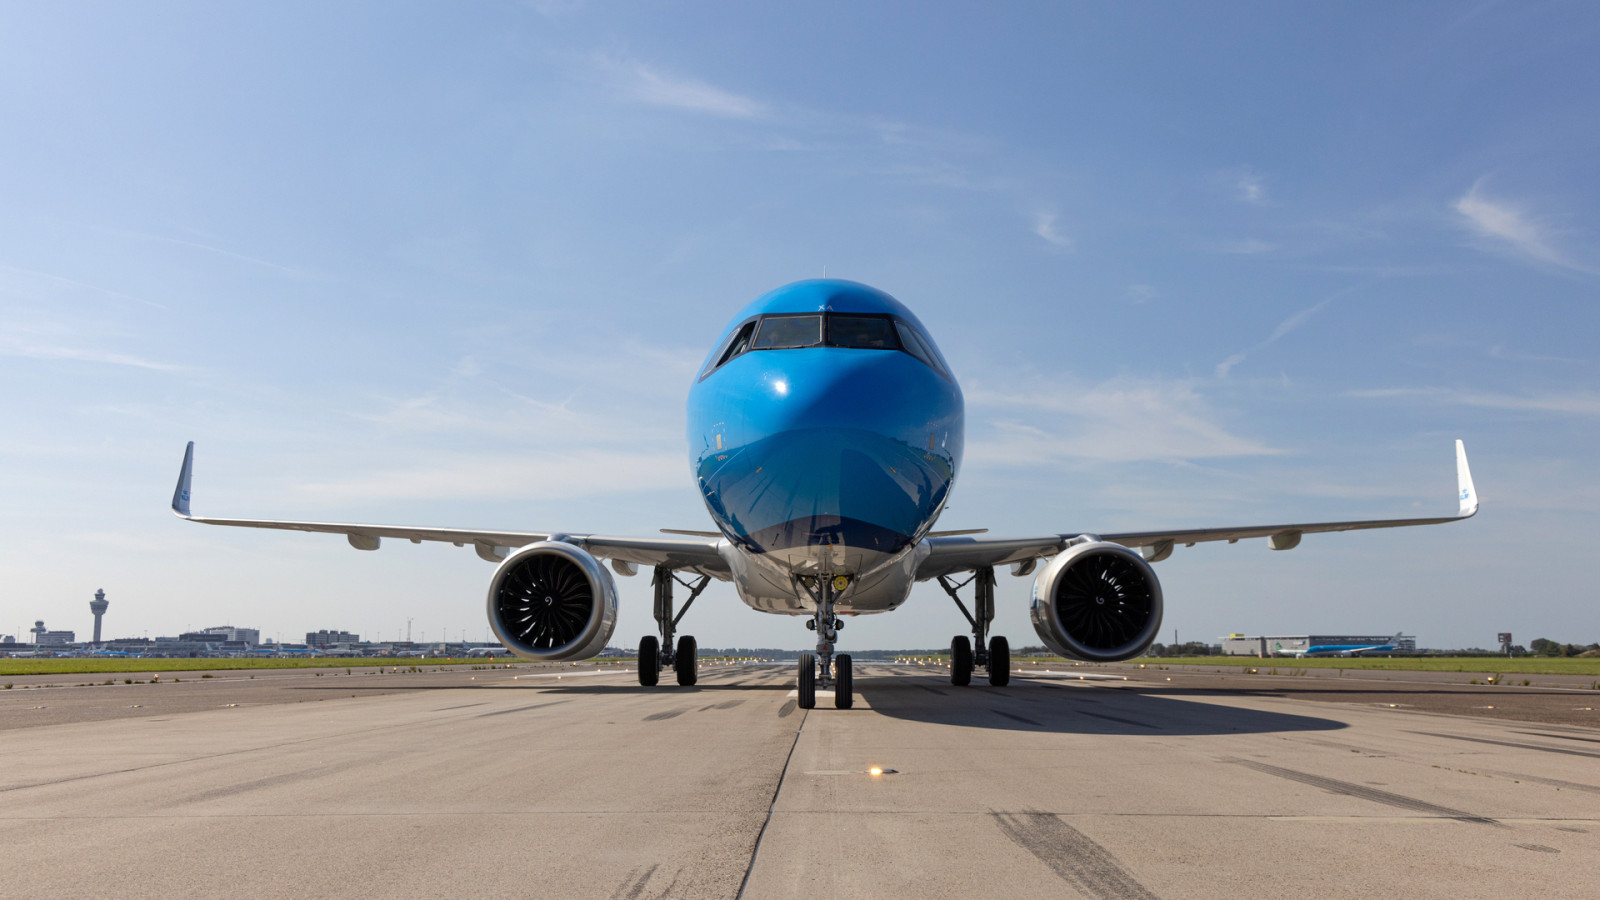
x=479 y=652
x=825 y=432
x=1339 y=649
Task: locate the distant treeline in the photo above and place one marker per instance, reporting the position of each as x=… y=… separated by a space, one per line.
x=1192 y=648
x=1543 y=647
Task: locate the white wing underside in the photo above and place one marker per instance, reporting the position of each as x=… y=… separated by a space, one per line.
x=688 y=553
x=702 y=552
x=956 y=554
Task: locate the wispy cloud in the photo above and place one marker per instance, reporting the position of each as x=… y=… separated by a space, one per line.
x=555 y=9
x=1510 y=228
x=21 y=277
x=1241 y=246
x=1284 y=328
x=1251 y=187
x=13 y=346
x=1498 y=351
x=1048 y=420
x=215 y=250
x=1572 y=403
x=652 y=86
x=1140 y=293
x=593 y=423
x=543 y=476
x=1044 y=225
x=1242 y=183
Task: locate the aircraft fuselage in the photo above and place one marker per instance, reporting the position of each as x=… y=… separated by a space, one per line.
x=825 y=433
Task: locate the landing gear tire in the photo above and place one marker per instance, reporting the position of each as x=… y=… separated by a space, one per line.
x=960 y=661
x=844 y=684
x=649 y=661
x=999 y=661
x=684 y=661
x=808 y=681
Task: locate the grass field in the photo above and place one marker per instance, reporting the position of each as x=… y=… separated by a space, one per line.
x=90 y=666
x=1520 y=665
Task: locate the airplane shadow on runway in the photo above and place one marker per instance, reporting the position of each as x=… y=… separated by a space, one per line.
x=545 y=685
x=1057 y=709
x=1026 y=705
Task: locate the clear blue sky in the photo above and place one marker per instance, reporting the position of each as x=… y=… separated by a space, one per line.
x=454 y=264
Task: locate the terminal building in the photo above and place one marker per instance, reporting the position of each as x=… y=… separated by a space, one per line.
x=43 y=637
x=1290 y=644
x=251 y=636
x=326 y=637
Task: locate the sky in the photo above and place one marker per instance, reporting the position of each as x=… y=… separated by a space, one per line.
x=456 y=265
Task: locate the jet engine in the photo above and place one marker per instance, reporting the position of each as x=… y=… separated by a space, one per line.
x=552 y=601
x=1097 y=601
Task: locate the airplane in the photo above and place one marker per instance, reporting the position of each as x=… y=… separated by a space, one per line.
x=1341 y=649
x=480 y=652
x=825 y=432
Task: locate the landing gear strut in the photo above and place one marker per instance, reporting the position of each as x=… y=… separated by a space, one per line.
x=822 y=668
x=655 y=653
x=993 y=654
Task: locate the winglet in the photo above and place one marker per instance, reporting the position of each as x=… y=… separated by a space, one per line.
x=1469 y=494
x=180 y=496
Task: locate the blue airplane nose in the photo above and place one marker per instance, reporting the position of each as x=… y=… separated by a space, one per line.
x=826 y=445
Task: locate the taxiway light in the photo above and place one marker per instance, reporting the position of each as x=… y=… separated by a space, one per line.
x=875 y=771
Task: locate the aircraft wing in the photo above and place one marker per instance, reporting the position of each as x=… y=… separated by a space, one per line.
x=948 y=555
x=696 y=553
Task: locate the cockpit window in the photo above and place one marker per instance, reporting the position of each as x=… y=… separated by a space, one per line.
x=740 y=343
x=851 y=331
x=737 y=343
x=862 y=332
x=786 y=332
x=919 y=346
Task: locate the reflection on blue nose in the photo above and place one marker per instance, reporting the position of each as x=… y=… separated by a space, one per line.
x=824 y=486
x=828 y=446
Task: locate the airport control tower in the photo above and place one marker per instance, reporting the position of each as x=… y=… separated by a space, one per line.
x=98 y=607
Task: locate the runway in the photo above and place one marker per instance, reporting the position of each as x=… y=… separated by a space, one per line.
x=511 y=782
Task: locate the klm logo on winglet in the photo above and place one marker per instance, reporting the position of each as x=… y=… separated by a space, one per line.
x=1465 y=494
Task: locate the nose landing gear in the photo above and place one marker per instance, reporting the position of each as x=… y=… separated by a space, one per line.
x=994 y=654
x=823 y=666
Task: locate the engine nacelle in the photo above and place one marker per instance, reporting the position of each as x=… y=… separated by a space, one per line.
x=552 y=601
x=1097 y=601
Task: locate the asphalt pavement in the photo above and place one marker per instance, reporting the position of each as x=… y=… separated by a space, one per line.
x=1102 y=782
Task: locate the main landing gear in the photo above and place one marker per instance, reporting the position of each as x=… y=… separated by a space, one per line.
x=996 y=655
x=656 y=653
x=822 y=666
